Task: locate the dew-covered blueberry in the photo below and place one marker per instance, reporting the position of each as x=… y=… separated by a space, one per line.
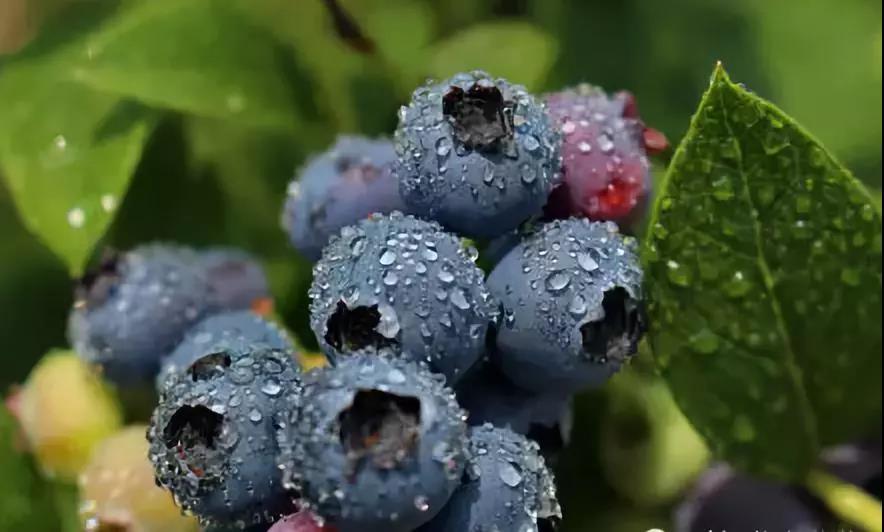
x=238 y=331
x=476 y=153
x=377 y=444
x=213 y=436
x=338 y=188
x=573 y=309
x=400 y=284
x=506 y=486
x=134 y=307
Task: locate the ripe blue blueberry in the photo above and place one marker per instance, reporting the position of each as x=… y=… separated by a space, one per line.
x=376 y=445
x=506 y=486
x=489 y=397
x=725 y=500
x=477 y=154
x=236 y=279
x=572 y=300
x=338 y=188
x=135 y=307
x=404 y=285
x=213 y=436
x=237 y=331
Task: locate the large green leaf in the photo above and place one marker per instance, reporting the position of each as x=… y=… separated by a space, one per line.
x=67 y=153
x=512 y=49
x=764 y=277
x=195 y=56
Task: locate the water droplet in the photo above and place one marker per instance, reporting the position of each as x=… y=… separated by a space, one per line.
x=587 y=262
x=529 y=175
x=737 y=285
x=390 y=278
x=421 y=503
x=605 y=143
x=108 y=202
x=60 y=142
x=509 y=474
x=357 y=245
x=705 y=342
x=387 y=257
x=445 y=276
x=395 y=376
x=458 y=299
x=255 y=415
x=388 y=327
x=569 y=127
x=577 y=307
x=584 y=147
x=557 y=281
x=530 y=143
x=76 y=217
x=678 y=274
x=443 y=147
x=429 y=254
x=271 y=387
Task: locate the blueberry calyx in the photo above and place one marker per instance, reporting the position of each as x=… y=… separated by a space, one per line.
x=98 y=284
x=191 y=426
x=380 y=426
x=356 y=328
x=209 y=366
x=480 y=116
x=623 y=318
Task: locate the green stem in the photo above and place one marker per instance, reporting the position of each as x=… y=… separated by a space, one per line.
x=848 y=502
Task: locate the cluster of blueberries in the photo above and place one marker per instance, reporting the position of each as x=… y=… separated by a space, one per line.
x=446 y=391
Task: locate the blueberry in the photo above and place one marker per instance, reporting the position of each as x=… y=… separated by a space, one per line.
x=238 y=331
x=477 y=154
x=404 y=285
x=377 y=445
x=236 y=279
x=135 y=307
x=489 y=397
x=572 y=300
x=506 y=486
x=212 y=436
x=338 y=188
x=725 y=500
x=606 y=171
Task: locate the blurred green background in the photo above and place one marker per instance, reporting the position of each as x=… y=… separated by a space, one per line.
x=215 y=164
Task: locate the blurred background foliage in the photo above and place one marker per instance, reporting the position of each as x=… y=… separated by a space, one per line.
x=224 y=99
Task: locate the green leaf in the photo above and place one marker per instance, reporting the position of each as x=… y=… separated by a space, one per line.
x=195 y=56
x=26 y=500
x=67 y=154
x=763 y=267
x=511 y=49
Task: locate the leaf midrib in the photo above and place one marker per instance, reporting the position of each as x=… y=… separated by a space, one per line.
x=790 y=362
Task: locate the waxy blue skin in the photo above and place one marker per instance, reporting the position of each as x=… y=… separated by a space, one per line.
x=506 y=486
x=479 y=192
x=362 y=495
x=338 y=188
x=157 y=293
x=236 y=279
x=431 y=297
x=235 y=482
x=556 y=334
x=237 y=331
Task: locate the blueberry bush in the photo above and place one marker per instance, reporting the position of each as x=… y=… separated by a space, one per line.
x=260 y=274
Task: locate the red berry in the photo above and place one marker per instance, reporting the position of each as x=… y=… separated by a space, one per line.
x=604 y=155
x=303 y=521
